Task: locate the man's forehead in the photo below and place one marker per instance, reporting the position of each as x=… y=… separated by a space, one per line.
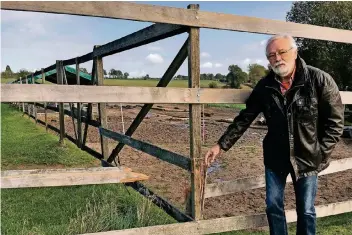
x=279 y=44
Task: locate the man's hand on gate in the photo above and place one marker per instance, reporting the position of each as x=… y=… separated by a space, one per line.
x=212 y=154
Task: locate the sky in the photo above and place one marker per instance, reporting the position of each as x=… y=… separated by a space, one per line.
x=31 y=40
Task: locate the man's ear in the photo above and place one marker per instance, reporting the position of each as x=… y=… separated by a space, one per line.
x=296 y=54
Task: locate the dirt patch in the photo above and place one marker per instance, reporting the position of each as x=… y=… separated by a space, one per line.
x=167 y=127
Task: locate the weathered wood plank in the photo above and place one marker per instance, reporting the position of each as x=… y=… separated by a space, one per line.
x=137 y=95
x=226 y=224
x=244 y=184
x=144 y=36
x=79 y=110
x=45 y=104
x=155 y=151
x=164 y=81
x=60 y=80
x=187 y=17
x=67 y=177
x=195 y=121
x=103 y=117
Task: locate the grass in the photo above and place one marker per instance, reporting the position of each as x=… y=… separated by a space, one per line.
x=331 y=225
x=233 y=106
x=153 y=83
x=83 y=209
x=6 y=80
x=23 y=143
x=63 y=210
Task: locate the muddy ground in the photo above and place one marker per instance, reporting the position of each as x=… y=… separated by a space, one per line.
x=167 y=126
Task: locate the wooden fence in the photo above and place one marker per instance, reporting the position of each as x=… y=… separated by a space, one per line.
x=168 y=22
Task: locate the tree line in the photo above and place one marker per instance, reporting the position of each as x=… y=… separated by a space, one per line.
x=332 y=57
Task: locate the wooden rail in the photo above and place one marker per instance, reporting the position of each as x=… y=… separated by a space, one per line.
x=67 y=177
x=155 y=151
x=117 y=94
x=244 y=184
x=180 y=16
x=226 y=224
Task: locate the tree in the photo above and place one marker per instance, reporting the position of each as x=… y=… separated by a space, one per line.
x=7 y=73
x=236 y=76
x=332 y=57
x=83 y=70
x=146 y=77
x=256 y=72
x=125 y=75
x=218 y=76
x=119 y=74
x=23 y=73
x=105 y=72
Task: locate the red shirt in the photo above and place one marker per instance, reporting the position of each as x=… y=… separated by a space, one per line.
x=285 y=86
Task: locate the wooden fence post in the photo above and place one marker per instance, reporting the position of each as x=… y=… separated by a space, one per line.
x=60 y=81
x=79 y=111
x=34 y=106
x=28 y=112
x=45 y=104
x=195 y=121
x=22 y=102
x=102 y=108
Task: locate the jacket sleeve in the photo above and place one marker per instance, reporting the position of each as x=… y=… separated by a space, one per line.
x=241 y=122
x=331 y=115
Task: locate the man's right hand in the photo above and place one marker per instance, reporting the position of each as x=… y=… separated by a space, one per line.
x=212 y=154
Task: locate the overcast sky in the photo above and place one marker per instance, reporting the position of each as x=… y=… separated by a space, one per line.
x=32 y=40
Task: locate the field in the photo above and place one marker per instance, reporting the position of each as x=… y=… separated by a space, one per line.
x=6 y=80
x=62 y=210
x=167 y=126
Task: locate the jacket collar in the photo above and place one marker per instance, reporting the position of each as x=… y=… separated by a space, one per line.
x=301 y=74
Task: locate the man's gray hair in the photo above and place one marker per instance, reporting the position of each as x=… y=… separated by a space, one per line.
x=286 y=36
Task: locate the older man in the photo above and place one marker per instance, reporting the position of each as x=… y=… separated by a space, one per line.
x=304 y=113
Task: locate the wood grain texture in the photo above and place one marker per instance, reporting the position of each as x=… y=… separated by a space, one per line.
x=60 y=80
x=79 y=110
x=195 y=122
x=68 y=177
x=164 y=81
x=45 y=104
x=144 y=36
x=226 y=224
x=138 y=95
x=244 y=184
x=103 y=117
x=179 y=16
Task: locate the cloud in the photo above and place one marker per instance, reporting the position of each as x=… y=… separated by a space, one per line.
x=246 y=61
x=207 y=65
x=205 y=54
x=218 y=65
x=263 y=42
x=154 y=48
x=137 y=74
x=155 y=58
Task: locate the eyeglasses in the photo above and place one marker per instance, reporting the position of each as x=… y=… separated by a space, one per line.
x=281 y=53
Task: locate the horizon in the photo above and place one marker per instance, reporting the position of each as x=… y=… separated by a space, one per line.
x=41 y=38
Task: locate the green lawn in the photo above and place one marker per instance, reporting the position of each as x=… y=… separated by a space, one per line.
x=62 y=210
x=332 y=225
x=82 y=209
x=153 y=83
x=6 y=80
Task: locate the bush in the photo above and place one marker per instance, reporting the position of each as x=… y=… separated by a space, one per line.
x=213 y=85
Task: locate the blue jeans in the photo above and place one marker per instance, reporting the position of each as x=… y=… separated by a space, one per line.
x=305 y=192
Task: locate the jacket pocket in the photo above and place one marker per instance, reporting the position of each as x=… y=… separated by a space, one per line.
x=306 y=111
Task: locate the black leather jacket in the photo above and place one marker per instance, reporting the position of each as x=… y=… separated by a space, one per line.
x=304 y=125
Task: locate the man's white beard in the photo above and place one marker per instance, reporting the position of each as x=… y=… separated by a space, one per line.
x=281 y=71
